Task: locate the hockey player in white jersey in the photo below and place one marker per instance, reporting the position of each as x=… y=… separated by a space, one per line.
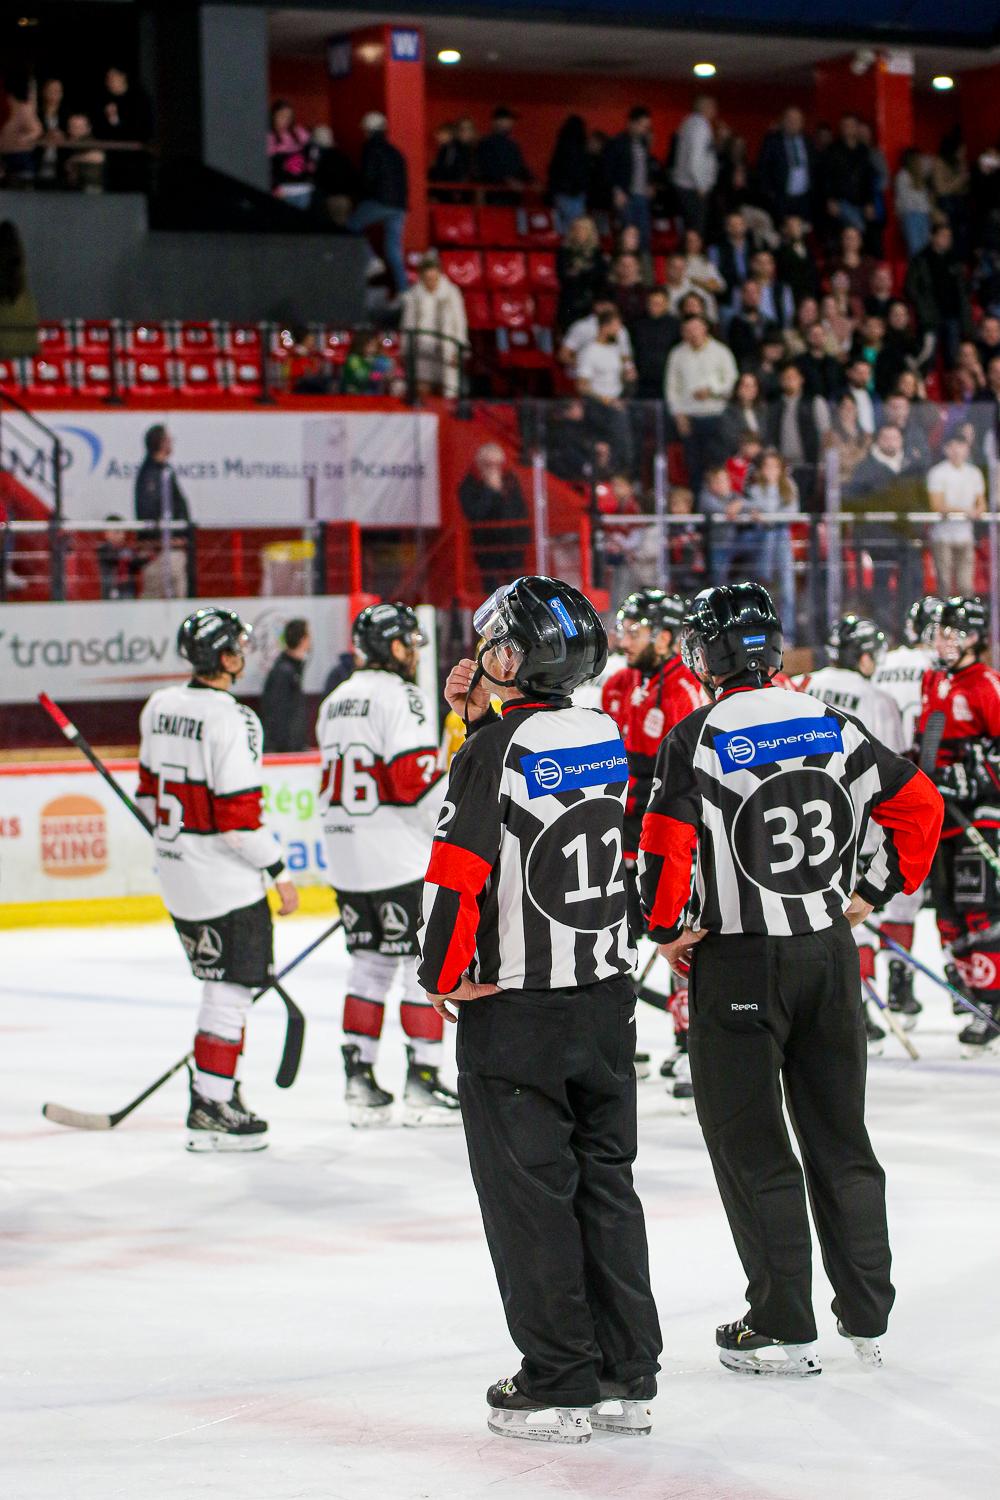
x=901 y=674
x=855 y=647
x=380 y=796
x=200 y=787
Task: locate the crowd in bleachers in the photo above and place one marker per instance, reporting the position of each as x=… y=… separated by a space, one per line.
x=80 y=136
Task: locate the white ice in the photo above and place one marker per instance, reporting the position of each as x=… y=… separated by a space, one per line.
x=321 y=1320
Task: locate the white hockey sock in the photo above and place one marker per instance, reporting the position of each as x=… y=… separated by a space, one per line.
x=219 y=1040
x=422 y=1026
x=369 y=980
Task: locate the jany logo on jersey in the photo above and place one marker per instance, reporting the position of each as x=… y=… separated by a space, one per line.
x=567 y=770
x=760 y=744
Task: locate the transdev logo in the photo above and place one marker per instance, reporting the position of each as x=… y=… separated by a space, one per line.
x=568 y=770
x=789 y=739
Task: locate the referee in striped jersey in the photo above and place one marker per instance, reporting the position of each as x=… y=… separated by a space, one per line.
x=768 y=794
x=525 y=915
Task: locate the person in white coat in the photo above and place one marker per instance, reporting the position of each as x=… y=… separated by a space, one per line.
x=434 y=320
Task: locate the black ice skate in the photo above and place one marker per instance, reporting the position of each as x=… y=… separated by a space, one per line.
x=868 y=1351
x=682 y=1087
x=426 y=1100
x=669 y=1066
x=956 y=981
x=625 y=1407
x=227 y=1125
x=515 y=1415
x=874 y=1033
x=978 y=1037
x=642 y=1066
x=367 y=1104
x=749 y=1353
x=902 y=1001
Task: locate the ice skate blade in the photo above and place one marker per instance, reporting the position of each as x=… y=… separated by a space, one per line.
x=365 y=1117
x=970 y=1051
x=431 y=1116
x=630 y=1418
x=550 y=1424
x=868 y=1352
x=788 y=1361
x=204 y=1141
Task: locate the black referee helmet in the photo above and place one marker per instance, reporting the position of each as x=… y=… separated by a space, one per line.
x=210 y=633
x=550 y=629
x=732 y=629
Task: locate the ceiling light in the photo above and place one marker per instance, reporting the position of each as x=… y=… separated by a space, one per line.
x=449 y=55
x=704 y=70
x=942 y=83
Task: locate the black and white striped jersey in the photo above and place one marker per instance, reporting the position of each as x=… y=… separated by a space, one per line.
x=770 y=794
x=526 y=883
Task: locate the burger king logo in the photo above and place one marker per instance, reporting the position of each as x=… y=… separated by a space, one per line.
x=74 y=837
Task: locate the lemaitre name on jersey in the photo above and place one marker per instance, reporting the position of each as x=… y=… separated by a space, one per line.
x=526 y=882
x=770 y=793
x=381 y=784
x=200 y=787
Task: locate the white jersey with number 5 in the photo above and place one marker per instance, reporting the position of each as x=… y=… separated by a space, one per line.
x=200 y=787
x=382 y=786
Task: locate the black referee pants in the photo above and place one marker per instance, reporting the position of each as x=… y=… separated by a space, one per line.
x=767 y=1012
x=547 y=1086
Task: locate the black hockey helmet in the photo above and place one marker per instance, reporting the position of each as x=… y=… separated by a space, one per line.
x=921 y=615
x=965 y=618
x=730 y=629
x=378 y=625
x=207 y=634
x=653 y=607
x=551 y=631
x=851 y=637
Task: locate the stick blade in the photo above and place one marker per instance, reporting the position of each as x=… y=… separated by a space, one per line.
x=77 y=1119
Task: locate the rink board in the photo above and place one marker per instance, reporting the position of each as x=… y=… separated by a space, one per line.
x=70 y=852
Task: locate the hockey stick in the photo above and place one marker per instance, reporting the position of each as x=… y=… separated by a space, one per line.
x=295 y=1031
x=890 y=1019
x=921 y=968
x=80 y=1119
x=972 y=833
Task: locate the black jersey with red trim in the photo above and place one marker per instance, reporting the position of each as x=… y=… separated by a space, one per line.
x=650 y=706
x=768 y=794
x=525 y=887
x=200 y=787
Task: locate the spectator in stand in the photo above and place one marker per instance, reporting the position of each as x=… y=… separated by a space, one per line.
x=869 y=344
x=569 y=448
x=988 y=340
x=603 y=376
x=858 y=376
x=747 y=326
x=991 y=440
x=288 y=152
x=335 y=178
x=119 y=562
x=702 y=273
x=685 y=542
x=785 y=170
x=18 y=308
x=676 y=282
x=344 y=667
x=629 y=166
x=740 y=465
x=770 y=363
x=435 y=327
x=795 y=262
x=847 y=439
x=455 y=160
x=806 y=317
x=499 y=159
x=913 y=200
x=584 y=331
x=160 y=501
x=696 y=165
x=598 y=184
x=797 y=425
x=958 y=493
x=745 y=412
x=653 y=337
x=627 y=288
x=772 y=492
x=568 y=173
x=898 y=412
x=821 y=371
x=20 y=134
x=967 y=358
x=879 y=296
x=732 y=255
x=935 y=284
x=625 y=548
x=629 y=242
x=731 y=190
x=887 y=473
x=52 y=114
x=839 y=321
x=731 y=539
x=854 y=263
x=385 y=194
x=880 y=183
x=82 y=169
x=849 y=179
x=306 y=372
x=123 y=115
x=950 y=179
x=701 y=374
x=493 y=503
x=582 y=271
x=368 y=370
x=283 y=706
x=776 y=300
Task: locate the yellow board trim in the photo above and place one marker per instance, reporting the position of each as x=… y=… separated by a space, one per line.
x=315 y=900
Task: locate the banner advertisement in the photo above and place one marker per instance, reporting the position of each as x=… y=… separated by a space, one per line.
x=126 y=648
x=248 y=467
x=64 y=835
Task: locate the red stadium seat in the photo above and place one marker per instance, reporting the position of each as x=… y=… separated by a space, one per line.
x=478 y=310
x=463 y=267
x=498 y=226
x=664 y=236
x=542 y=271
x=10 y=374
x=244 y=376
x=202 y=374
x=506 y=270
x=150 y=374
x=146 y=338
x=199 y=338
x=390 y=343
x=93 y=337
x=55 y=338
x=546 y=306
x=538 y=227
x=453 y=224
x=49 y=375
x=335 y=345
x=95 y=376
x=242 y=339
x=512 y=310
x=524 y=348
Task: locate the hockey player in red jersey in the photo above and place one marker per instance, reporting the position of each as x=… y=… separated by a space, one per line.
x=200 y=787
x=380 y=796
x=959 y=738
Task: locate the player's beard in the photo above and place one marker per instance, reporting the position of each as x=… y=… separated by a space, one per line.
x=647 y=661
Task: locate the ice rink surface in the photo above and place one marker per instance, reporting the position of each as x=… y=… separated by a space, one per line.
x=321 y=1320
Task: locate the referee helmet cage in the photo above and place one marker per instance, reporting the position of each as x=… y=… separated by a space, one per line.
x=732 y=629
x=378 y=625
x=851 y=638
x=962 y=619
x=653 y=607
x=208 y=634
x=546 y=631
x=921 y=618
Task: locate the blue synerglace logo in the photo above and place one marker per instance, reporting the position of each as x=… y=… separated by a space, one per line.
x=789 y=739
x=551 y=771
x=561 y=613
